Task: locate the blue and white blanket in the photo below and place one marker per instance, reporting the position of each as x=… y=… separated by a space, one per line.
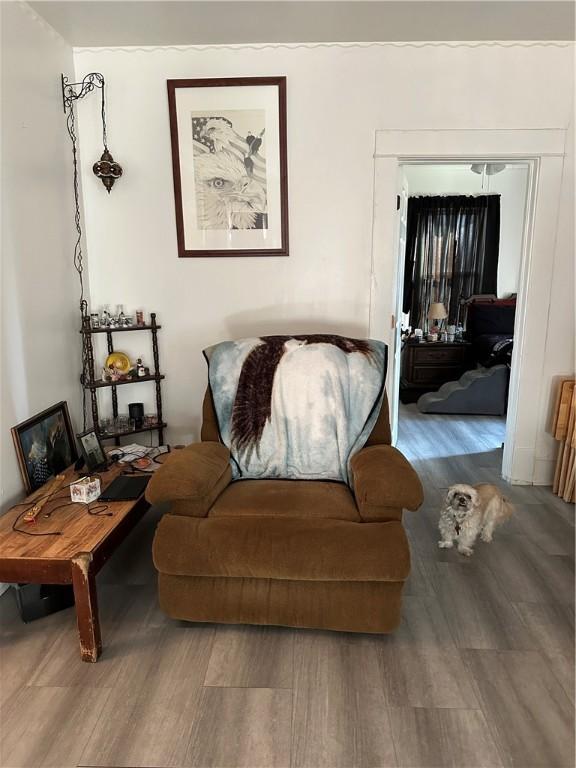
x=296 y=407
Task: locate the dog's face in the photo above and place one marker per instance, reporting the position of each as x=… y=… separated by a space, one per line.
x=461 y=500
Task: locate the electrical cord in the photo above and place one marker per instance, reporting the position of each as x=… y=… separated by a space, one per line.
x=70 y=95
x=98 y=510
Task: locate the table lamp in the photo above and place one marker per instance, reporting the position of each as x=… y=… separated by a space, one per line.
x=437 y=311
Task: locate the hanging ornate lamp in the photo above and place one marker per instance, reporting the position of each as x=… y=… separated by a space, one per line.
x=105 y=169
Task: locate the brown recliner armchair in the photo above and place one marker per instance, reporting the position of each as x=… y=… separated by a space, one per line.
x=289 y=552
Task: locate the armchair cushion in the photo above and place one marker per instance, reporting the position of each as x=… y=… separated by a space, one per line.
x=192 y=479
x=281 y=548
x=384 y=483
x=286 y=498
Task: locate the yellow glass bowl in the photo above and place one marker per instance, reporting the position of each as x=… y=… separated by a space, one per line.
x=119 y=361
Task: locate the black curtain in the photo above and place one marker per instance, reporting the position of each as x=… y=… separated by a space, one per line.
x=451 y=252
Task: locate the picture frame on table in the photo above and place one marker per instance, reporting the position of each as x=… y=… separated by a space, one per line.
x=92 y=451
x=230 y=167
x=44 y=445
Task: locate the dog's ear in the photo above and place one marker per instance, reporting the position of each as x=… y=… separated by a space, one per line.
x=450 y=495
x=475 y=497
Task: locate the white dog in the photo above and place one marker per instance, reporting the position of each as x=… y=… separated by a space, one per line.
x=470 y=510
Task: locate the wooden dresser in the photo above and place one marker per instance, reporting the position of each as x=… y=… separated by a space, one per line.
x=426 y=366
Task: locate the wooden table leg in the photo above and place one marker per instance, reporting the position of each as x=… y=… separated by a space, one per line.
x=84 y=583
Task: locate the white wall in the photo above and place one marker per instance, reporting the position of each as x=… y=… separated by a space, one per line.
x=560 y=337
x=337 y=97
x=510 y=184
x=40 y=340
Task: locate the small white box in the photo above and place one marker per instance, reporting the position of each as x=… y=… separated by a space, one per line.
x=85 y=490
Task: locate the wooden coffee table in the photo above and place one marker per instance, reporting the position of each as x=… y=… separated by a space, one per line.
x=74 y=557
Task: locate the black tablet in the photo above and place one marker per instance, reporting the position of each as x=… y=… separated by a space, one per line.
x=125 y=488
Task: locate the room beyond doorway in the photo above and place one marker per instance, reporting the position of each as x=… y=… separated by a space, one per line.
x=525 y=459
x=461 y=236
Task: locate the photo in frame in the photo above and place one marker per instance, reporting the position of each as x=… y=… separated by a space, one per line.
x=44 y=445
x=92 y=451
x=229 y=162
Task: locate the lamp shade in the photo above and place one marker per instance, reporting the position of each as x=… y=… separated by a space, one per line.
x=437 y=311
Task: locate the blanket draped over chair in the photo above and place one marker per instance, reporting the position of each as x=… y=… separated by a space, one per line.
x=296 y=407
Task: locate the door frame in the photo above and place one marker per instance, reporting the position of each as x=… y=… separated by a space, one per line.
x=543 y=150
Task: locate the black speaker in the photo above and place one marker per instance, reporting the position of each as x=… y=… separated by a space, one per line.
x=136 y=412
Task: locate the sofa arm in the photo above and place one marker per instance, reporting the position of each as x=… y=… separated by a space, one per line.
x=384 y=483
x=192 y=478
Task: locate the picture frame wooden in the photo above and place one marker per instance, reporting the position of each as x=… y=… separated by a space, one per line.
x=44 y=445
x=230 y=167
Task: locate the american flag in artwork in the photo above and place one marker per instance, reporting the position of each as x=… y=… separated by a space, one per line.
x=199 y=132
x=213 y=133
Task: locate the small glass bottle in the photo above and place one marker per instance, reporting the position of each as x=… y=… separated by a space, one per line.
x=105 y=316
x=140 y=370
x=120 y=315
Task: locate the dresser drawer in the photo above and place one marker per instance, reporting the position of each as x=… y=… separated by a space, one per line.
x=427 y=355
x=428 y=374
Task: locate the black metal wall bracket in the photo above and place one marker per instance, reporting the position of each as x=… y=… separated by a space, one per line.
x=71 y=92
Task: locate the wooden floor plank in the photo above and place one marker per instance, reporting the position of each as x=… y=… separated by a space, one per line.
x=423 y=626
x=423 y=578
x=528 y=709
x=426 y=678
x=550 y=532
x=251 y=657
x=242 y=728
x=563 y=668
x=527 y=574
x=478 y=614
x=48 y=727
x=23 y=647
x=129 y=614
x=149 y=721
x=551 y=625
x=340 y=717
x=434 y=738
x=554 y=504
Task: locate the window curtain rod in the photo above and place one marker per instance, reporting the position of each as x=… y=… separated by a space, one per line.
x=457 y=194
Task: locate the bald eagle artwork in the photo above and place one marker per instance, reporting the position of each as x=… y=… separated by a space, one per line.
x=296 y=407
x=230 y=170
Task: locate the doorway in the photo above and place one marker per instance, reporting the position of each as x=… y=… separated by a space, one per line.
x=543 y=152
x=460 y=249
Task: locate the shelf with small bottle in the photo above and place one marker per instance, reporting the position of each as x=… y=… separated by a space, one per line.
x=116 y=433
x=132 y=380
x=106 y=322
x=121 y=375
x=116 y=329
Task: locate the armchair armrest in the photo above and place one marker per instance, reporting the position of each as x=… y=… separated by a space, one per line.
x=384 y=483
x=192 y=478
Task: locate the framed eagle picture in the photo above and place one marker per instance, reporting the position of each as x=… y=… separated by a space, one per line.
x=230 y=166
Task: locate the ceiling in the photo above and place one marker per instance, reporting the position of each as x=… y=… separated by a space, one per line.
x=150 y=22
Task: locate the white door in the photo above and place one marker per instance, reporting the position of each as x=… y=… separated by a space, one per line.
x=390 y=210
x=394 y=380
